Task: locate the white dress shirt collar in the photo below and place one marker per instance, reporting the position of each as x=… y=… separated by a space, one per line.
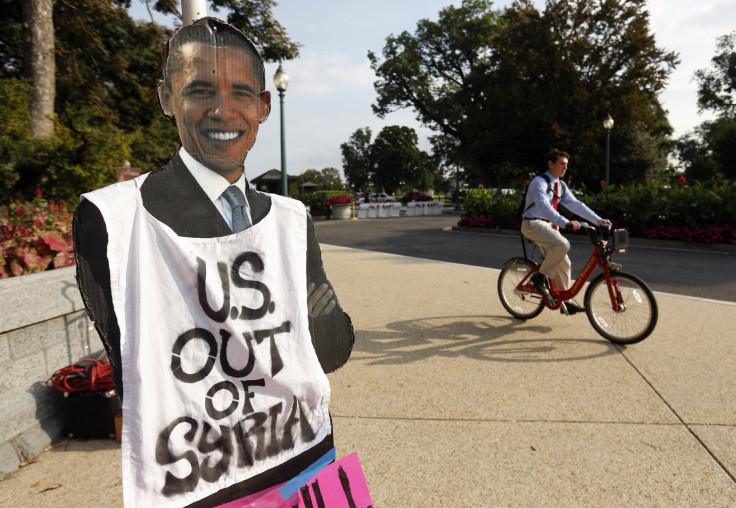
x=212 y=183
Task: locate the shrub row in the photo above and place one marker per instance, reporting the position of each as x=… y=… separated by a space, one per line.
x=694 y=213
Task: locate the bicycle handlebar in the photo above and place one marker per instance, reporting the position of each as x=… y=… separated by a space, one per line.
x=604 y=229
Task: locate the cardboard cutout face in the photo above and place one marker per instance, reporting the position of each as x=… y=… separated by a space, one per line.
x=218 y=102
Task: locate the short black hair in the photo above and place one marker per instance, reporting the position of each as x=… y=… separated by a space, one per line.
x=221 y=34
x=555 y=154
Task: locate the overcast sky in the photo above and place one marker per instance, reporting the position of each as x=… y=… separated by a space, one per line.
x=331 y=90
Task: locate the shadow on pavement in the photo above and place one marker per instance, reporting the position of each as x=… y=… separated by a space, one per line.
x=490 y=338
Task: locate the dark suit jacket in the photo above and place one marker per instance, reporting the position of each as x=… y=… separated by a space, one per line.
x=173 y=196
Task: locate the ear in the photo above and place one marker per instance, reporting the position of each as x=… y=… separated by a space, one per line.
x=265 y=106
x=165 y=99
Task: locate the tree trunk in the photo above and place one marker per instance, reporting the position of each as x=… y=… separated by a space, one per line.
x=40 y=64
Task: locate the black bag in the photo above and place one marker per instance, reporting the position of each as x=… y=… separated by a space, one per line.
x=522 y=206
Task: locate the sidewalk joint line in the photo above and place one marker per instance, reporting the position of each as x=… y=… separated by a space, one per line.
x=672 y=409
x=495 y=420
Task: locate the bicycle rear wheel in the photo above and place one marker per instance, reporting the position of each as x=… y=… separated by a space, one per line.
x=637 y=314
x=520 y=304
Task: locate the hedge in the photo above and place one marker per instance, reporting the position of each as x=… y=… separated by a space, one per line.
x=691 y=213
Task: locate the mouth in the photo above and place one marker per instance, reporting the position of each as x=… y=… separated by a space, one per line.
x=222 y=135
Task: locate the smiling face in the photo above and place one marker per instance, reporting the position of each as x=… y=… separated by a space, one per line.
x=218 y=103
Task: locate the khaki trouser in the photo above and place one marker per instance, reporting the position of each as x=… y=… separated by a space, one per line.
x=556 y=265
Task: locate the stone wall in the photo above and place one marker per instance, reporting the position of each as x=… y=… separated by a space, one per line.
x=43 y=327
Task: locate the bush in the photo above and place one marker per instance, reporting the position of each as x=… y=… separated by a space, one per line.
x=485 y=208
x=35 y=237
x=478 y=202
x=691 y=213
x=317 y=201
x=81 y=155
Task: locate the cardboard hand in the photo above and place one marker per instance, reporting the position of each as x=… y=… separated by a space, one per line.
x=320 y=301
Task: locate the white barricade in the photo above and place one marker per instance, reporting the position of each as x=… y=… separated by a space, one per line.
x=433 y=207
x=414 y=208
x=424 y=208
x=368 y=211
x=379 y=210
x=390 y=209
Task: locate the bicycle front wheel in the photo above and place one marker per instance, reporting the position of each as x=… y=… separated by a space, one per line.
x=637 y=314
x=520 y=304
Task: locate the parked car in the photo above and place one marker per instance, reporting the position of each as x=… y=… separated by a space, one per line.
x=416 y=196
x=375 y=197
x=453 y=192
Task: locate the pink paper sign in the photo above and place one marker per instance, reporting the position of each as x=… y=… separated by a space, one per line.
x=339 y=485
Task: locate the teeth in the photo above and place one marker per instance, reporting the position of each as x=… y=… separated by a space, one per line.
x=223 y=136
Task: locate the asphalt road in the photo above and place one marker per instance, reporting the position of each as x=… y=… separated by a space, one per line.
x=698 y=273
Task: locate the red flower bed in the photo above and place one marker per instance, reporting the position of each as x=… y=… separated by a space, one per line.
x=710 y=233
x=341 y=200
x=478 y=221
x=35 y=237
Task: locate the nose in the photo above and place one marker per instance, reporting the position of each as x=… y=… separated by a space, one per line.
x=223 y=107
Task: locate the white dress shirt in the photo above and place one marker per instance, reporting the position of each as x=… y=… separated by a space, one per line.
x=214 y=185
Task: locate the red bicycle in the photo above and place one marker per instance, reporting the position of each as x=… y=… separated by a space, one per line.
x=620 y=306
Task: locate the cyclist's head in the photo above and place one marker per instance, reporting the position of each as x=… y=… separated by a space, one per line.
x=555 y=154
x=557 y=163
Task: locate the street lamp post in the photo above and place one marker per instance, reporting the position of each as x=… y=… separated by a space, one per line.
x=608 y=125
x=375 y=178
x=281 y=80
x=457 y=175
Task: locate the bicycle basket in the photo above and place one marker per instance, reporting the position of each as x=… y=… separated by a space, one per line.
x=620 y=241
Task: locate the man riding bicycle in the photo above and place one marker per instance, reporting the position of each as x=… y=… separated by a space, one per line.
x=542 y=222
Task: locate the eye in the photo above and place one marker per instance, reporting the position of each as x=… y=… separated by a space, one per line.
x=243 y=94
x=200 y=92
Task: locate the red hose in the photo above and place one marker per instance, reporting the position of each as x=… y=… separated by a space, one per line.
x=83 y=376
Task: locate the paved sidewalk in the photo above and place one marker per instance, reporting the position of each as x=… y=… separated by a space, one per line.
x=451 y=402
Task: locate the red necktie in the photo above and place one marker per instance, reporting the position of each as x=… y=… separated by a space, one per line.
x=554 y=201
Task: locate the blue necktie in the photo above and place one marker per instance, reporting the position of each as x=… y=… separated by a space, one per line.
x=236 y=199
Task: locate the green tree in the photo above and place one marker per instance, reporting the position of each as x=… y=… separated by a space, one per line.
x=511 y=84
x=15 y=135
x=327 y=179
x=398 y=163
x=253 y=17
x=356 y=159
x=717 y=85
x=311 y=175
x=106 y=108
x=40 y=64
x=709 y=152
x=330 y=179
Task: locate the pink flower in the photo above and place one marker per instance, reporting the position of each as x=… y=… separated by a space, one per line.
x=682 y=181
x=603 y=183
x=38 y=192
